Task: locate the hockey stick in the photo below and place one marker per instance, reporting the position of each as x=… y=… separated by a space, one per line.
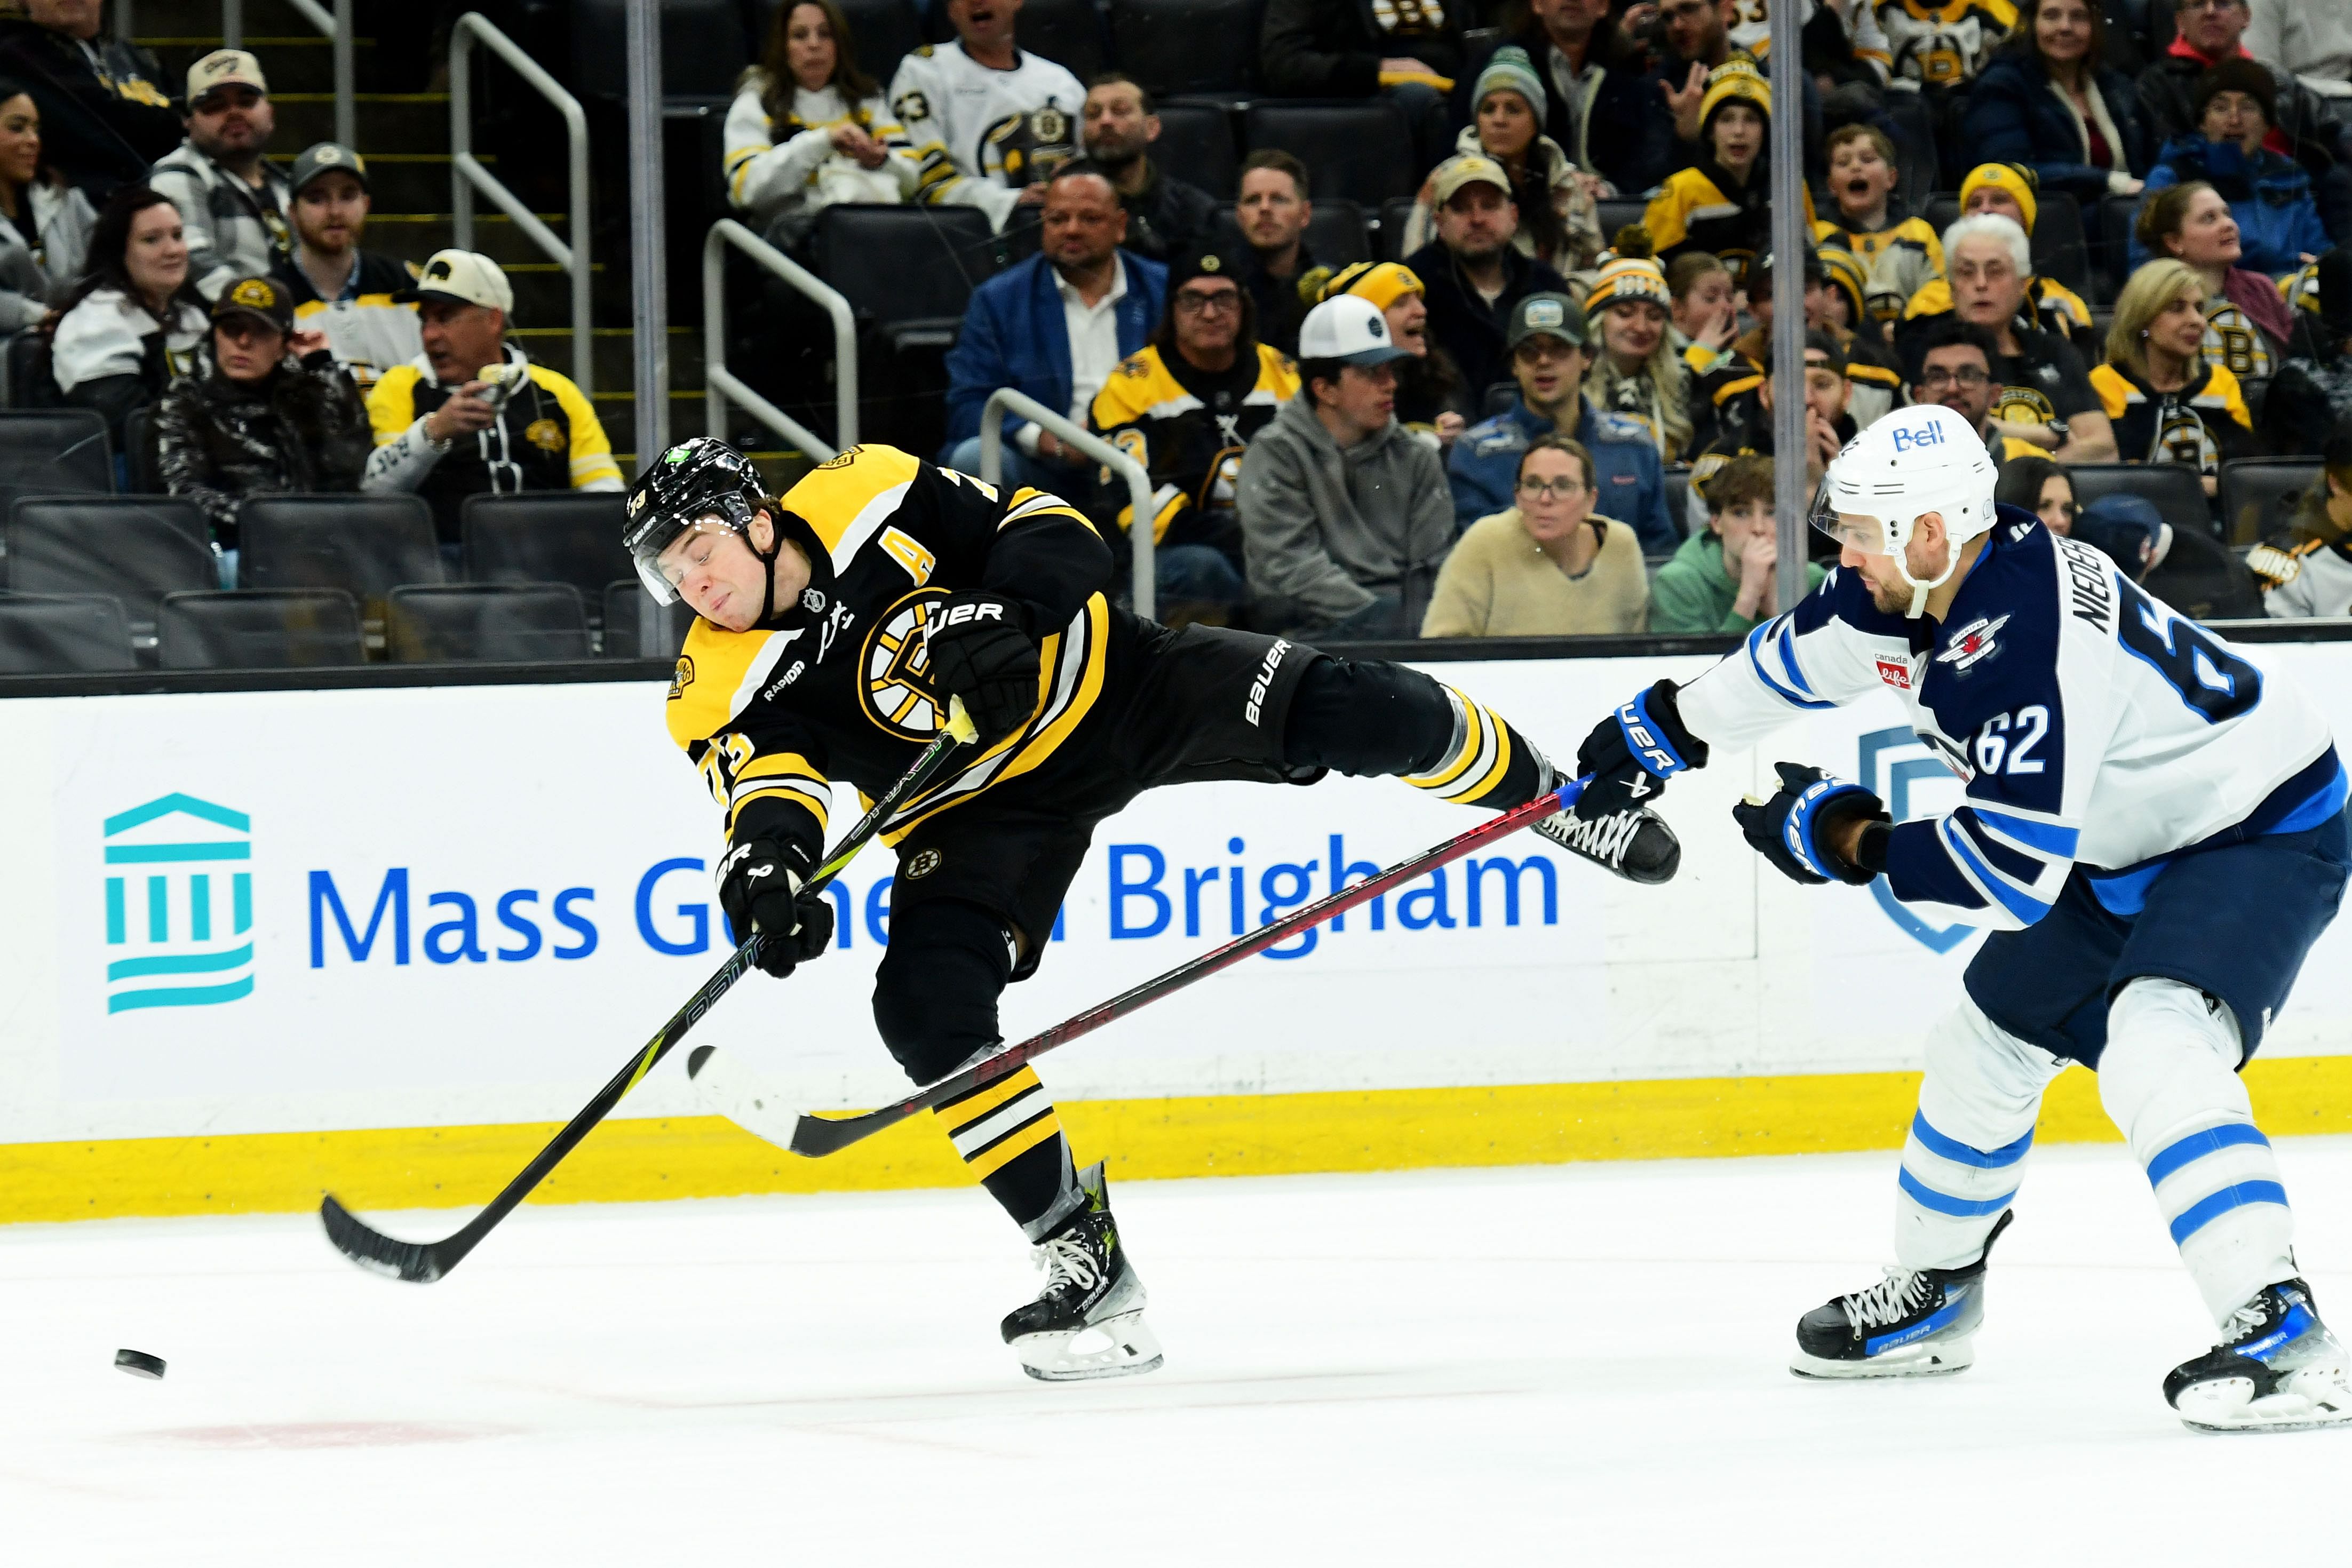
x=422 y=1262
x=817 y=1137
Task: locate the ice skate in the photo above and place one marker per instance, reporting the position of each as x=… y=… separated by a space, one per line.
x=1088 y=1319
x=1637 y=845
x=1912 y=1323
x=2278 y=1371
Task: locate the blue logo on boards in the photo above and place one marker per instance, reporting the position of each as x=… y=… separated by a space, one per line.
x=1894 y=789
x=186 y=933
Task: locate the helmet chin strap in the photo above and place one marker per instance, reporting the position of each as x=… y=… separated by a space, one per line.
x=768 y=558
x=1919 y=590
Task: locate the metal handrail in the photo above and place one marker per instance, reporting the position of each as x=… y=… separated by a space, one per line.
x=719 y=384
x=336 y=25
x=1004 y=399
x=466 y=175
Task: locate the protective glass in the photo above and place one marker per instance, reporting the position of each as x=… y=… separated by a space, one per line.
x=662 y=569
x=1864 y=536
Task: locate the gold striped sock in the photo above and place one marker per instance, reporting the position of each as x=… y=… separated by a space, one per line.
x=998 y=1122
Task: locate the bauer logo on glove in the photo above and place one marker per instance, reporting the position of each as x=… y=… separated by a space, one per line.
x=1798 y=829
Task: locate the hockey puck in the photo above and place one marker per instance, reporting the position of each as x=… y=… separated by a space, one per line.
x=139 y=1364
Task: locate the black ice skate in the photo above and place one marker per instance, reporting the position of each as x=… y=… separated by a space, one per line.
x=2278 y=1371
x=1637 y=845
x=1912 y=1323
x=1088 y=1321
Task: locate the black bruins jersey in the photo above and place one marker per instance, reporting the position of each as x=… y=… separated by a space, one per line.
x=837 y=685
x=1189 y=429
x=2204 y=425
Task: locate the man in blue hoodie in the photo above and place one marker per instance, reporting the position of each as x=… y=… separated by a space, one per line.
x=1055 y=327
x=1545 y=341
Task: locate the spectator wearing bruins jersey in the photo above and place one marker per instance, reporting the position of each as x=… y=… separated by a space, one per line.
x=1943 y=46
x=445 y=431
x=1722 y=203
x=837 y=629
x=2311 y=573
x=2167 y=404
x=1185 y=407
x=1828 y=425
x=338 y=288
x=2010 y=191
x=1899 y=253
x=808 y=128
x=1728 y=391
x=987 y=122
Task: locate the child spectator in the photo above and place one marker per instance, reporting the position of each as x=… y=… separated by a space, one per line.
x=2311 y=573
x=1899 y=253
x=1722 y=203
x=808 y=128
x=1637 y=373
x=1725 y=576
x=2268 y=193
x=134 y=322
x=1873 y=379
x=2010 y=191
x=1557 y=220
x=1431 y=400
x=1828 y=424
x=275 y=416
x=1546 y=566
x=342 y=290
x=2046 y=101
x=2166 y=403
x=2248 y=327
x=46 y=239
x=1706 y=307
x=989 y=123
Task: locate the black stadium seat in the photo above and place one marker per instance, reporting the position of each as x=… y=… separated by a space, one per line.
x=1196 y=145
x=501 y=622
x=2260 y=494
x=135 y=548
x=364 y=545
x=260 y=629
x=62 y=633
x=702 y=47
x=909 y=271
x=1396 y=216
x=2173 y=488
x=1186 y=46
x=1615 y=214
x=638 y=628
x=1067 y=32
x=885 y=31
x=552 y=536
x=54 y=451
x=1360 y=150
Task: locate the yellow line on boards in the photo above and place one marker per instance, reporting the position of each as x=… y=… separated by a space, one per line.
x=637 y=1159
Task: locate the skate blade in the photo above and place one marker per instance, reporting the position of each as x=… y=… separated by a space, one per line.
x=1939 y=1360
x=2226 y=1412
x=1119 y=1346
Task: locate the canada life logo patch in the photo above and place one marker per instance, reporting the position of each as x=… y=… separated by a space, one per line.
x=1894 y=673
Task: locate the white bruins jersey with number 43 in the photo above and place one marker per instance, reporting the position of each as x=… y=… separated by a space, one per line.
x=980 y=134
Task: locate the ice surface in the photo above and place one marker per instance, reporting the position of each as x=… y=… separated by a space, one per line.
x=1574 y=1364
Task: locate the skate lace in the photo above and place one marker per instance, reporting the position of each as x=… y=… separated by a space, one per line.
x=1890 y=1300
x=2248 y=1321
x=1067 y=1262
x=1603 y=839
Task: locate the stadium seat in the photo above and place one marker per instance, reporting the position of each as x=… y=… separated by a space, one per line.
x=1067 y=32
x=638 y=628
x=260 y=629
x=1362 y=150
x=553 y=535
x=908 y=271
x=1186 y=46
x=364 y=545
x=490 y=622
x=2259 y=495
x=138 y=453
x=25 y=378
x=54 y=451
x=62 y=633
x=1396 y=214
x=1615 y=214
x=1335 y=234
x=2173 y=488
x=2256 y=390
x=886 y=32
x=2115 y=215
x=136 y=549
x=1196 y=145
x=702 y=47
x=1678 y=497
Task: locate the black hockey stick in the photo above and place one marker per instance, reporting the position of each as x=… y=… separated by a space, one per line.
x=422 y=1262
x=817 y=1136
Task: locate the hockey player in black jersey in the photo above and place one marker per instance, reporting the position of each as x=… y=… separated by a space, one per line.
x=836 y=626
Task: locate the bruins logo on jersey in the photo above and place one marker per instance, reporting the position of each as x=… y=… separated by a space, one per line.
x=2024 y=405
x=2183 y=438
x=2234 y=341
x=1027 y=148
x=895 y=688
x=681 y=678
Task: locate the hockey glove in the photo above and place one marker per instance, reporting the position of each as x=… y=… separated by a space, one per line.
x=1631 y=754
x=1795 y=828
x=760 y=884
x=980 y=649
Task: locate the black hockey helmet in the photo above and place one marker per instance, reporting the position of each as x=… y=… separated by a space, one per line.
x=701 y=482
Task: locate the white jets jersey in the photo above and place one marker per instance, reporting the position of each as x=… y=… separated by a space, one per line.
x=980 y=134
x=2091 y=726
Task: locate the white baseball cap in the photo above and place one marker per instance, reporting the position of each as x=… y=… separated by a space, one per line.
x=462 y=278
x=225 y=68
x=1350 y=328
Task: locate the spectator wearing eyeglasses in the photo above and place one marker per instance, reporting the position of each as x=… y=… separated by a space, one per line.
x=105 y=119
x=232 y=200
x=1952 y=363
x=1546 y=566
x=1186 y=406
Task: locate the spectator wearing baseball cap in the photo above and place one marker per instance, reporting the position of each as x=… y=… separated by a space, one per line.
x=344 y=291
x=273 y=416
x=232 y=200
x=1432 y=399
x=1472 y=274
x=1345 y=516
x=103 y=119
x=471 y=415
x=1186 y=406
x=1546 y=337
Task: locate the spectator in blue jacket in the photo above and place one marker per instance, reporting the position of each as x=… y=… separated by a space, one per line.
x=1055 y=327
x=1545 y=340
x=2045 y=101
x=2269 y=193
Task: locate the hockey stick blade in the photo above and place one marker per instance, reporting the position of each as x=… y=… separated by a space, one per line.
x=422 y=1262
x=1648 y=841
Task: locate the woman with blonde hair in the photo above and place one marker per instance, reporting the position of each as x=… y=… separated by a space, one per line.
x=1636 y=371
x=808 y=128
x=2166 y=403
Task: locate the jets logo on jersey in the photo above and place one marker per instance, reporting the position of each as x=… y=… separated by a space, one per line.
x=896 y=690
x=1972 y=645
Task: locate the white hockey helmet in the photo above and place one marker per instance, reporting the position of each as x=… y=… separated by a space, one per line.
x=1913 y=461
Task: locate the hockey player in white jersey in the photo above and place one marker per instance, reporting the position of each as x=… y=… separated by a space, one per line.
x=986 y=120
x=2155 y=831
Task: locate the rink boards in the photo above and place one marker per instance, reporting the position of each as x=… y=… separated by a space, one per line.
x=257 y=944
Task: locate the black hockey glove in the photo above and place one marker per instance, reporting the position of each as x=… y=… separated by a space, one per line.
x=1795 y=828
x=1631 y=754
x=980 y=649
x=760 y=884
